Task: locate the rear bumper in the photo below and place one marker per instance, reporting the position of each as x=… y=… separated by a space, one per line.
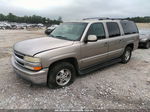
x=35 y=77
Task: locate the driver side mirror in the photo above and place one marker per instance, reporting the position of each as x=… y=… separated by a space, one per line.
x=48 y=31
x=92 y=38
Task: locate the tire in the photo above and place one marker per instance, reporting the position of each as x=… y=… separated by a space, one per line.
x=147 y=46
x=60 y=75
x=125 y=58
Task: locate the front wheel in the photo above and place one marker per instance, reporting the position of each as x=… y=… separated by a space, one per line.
x=125 y=58
x=61 y=74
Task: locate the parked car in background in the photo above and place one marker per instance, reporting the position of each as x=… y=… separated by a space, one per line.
x=2 y=26
x=20 y=26
x=40 y=25
x=5 y=25
x=75 y=48
x=144 y=39
x=50 y=29
x=16 y=26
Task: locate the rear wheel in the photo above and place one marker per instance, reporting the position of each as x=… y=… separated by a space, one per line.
x=61 y=74
x=147 y=46
x=125 y=58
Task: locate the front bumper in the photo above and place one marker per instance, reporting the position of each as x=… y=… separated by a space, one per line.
x=142 y=44
x=35 y=77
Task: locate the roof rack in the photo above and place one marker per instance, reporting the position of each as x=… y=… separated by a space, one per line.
x=104 y=18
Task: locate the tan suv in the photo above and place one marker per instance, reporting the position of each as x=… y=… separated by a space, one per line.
x=75 y=48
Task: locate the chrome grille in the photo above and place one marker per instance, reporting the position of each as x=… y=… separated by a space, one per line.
x=19 y=55
x=19 y=58
x=20 y=63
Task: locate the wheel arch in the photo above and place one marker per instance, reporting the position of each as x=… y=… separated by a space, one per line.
x=131 y=45
x=71 y=60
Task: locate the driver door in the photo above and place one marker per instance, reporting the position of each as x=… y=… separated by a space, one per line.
x=94 y=52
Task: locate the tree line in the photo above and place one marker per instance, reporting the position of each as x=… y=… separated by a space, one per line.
x=145 y=19
x=38 y=19
x=29 y=19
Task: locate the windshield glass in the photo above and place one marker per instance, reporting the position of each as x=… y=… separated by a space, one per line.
x=69 y=31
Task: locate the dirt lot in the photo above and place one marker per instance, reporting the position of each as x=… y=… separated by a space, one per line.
x=143 y=25
x=121 y=86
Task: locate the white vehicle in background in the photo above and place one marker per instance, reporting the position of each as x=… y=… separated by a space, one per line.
x=19 y=25
x=34 y=26
x=14 y=25
x=144 y=38
x=4 y=25
x=52 y=27
x=40 y=25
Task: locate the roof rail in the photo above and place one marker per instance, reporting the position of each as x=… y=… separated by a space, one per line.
x=97 y=18
x=104 y=18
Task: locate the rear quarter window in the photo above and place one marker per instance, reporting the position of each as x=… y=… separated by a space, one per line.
x=129 y=27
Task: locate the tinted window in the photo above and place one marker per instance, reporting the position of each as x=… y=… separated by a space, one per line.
x=113 y=29
x=129 y=27
x=98 y=30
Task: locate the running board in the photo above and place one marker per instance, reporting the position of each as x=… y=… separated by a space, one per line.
x=98 y=66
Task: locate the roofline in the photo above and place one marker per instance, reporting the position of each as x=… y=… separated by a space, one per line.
x=104 y=18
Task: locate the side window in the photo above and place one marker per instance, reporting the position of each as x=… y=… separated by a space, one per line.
x=113 y=29
x=129 y=27
x=98 y=30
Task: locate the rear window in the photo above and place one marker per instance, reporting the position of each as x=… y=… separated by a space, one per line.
x=113 y=29
x=129 y=27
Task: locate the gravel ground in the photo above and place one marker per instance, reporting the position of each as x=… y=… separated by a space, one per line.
x=120 y=86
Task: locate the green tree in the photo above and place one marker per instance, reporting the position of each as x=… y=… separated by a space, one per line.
x=2 y=17
x=60 y=19
x=11 y=17
x=29 y=19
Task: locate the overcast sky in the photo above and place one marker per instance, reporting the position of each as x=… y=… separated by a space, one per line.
x=76 y=9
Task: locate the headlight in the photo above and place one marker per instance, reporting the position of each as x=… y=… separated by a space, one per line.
x=145 y=39
x=32 y=59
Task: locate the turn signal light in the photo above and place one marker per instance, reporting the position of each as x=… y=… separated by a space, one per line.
x=37 y=68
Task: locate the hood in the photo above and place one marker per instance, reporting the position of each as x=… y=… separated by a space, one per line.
x=144 y=36
x=34 y=46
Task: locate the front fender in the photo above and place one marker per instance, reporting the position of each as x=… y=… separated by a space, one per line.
x=49 y=57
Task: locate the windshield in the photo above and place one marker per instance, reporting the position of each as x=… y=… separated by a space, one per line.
x=69 y=31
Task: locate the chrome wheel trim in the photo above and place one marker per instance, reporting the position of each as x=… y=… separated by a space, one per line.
x=127 y=55
x=63 y=77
